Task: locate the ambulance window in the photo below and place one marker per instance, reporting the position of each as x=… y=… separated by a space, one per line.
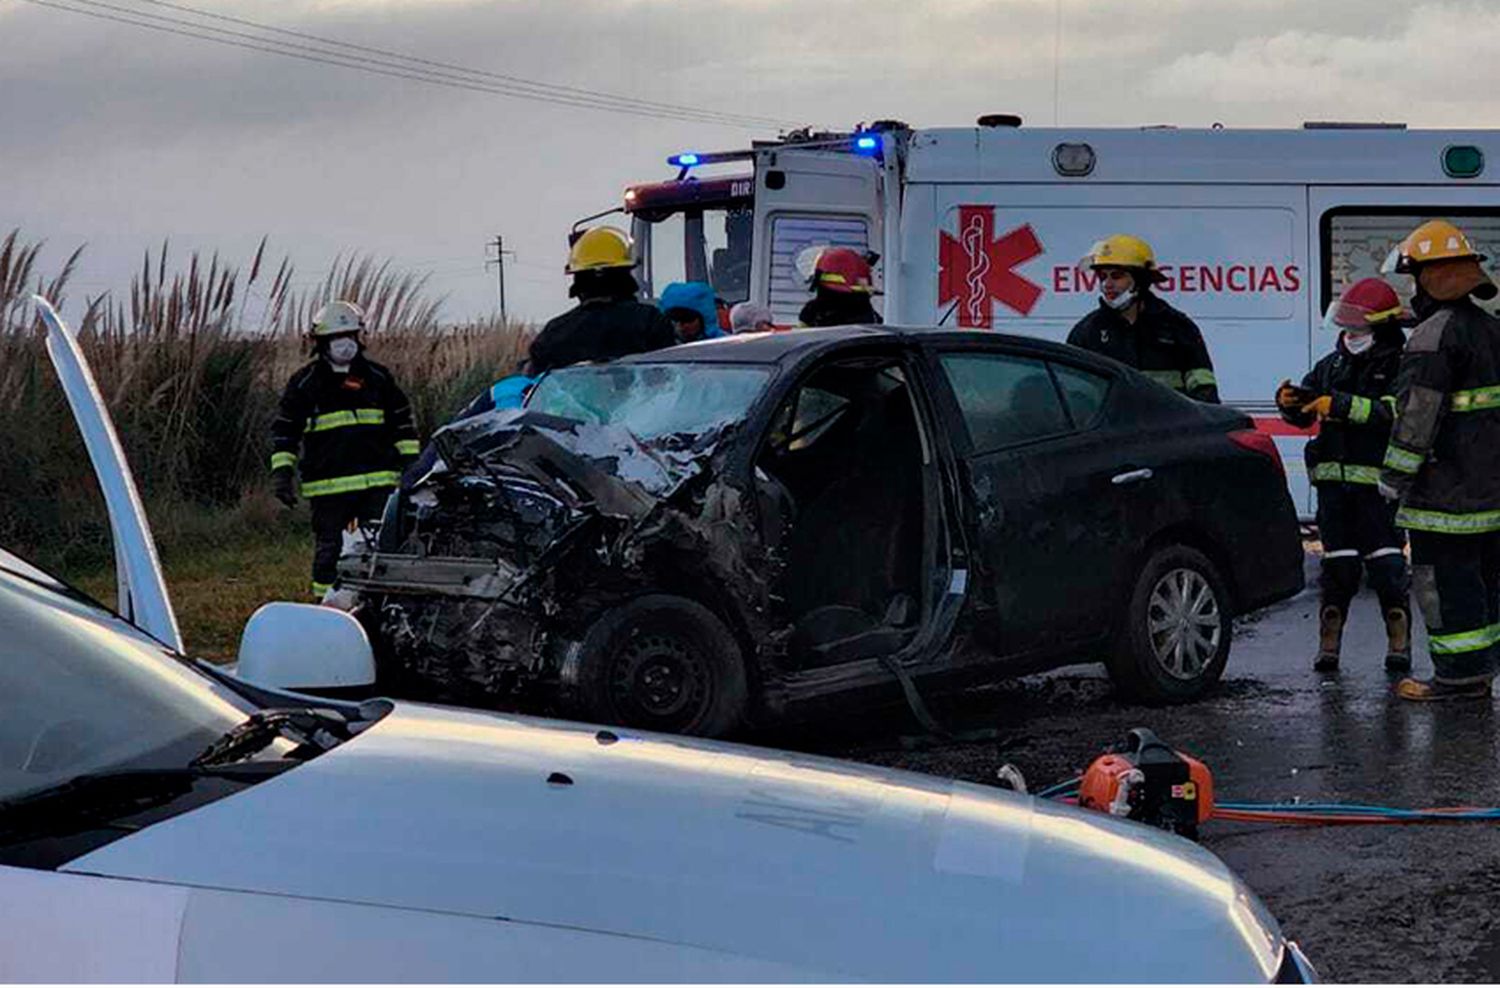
x=790 y=235
x=1004 y=400
x=1083 y=392
x=1357 y=239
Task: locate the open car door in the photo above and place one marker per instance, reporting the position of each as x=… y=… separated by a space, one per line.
x=142 y=592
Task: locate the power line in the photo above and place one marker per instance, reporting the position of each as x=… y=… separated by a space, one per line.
x=499 y=76
x=393 y=70
x=378 y=67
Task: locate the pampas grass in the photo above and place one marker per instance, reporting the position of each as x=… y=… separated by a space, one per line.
x=191 y=363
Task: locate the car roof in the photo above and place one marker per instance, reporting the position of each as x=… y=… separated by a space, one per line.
x=799 y=344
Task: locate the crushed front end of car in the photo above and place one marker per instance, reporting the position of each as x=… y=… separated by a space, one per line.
x=488 y=570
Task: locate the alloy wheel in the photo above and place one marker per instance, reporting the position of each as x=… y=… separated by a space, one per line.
x=1184 y=623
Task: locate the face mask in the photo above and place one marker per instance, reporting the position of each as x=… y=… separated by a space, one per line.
x=1120 y=302
x=1358 y=342
x=342 y=352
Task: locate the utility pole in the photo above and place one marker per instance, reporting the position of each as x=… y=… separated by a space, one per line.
x=499 y=262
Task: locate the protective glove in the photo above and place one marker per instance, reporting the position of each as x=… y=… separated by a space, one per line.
x=284 y=486
x=1387 y=491
x=1290 y=397
x=1321 y=406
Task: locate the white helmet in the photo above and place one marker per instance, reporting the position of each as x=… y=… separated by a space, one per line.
x=338 y=317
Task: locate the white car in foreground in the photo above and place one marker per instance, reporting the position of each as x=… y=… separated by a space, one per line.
x=163 y=821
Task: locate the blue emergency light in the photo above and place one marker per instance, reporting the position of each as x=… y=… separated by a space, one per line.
x=685 y=160
x=866 y=143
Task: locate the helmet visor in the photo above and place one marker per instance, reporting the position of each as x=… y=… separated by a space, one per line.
x=806 y=262
x=1395 y=262
x=1342 y=315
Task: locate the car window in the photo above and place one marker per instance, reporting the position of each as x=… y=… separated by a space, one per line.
x=651 y=400
x=816 y=413
x=1084 y=392
x=1004 y=399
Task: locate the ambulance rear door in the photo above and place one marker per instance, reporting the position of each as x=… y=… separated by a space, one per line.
x=805 y=198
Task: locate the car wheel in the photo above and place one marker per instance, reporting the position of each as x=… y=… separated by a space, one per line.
x=1175 y=638
x=662 y=663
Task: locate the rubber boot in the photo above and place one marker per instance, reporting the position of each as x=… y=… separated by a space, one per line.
x=1432 y=691
x=1398 y=640
x=1330 y=636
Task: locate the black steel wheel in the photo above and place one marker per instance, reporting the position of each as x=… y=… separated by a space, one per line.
x=662 y=663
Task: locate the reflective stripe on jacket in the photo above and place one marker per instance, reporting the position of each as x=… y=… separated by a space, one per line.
x=1350 y=446
x=1162 y=343
x=1444 y=453
x=345 y=432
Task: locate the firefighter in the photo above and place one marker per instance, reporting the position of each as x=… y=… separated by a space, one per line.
x=1443 y=461
x=842 y=282
x=1135 y=327
x=607 y=322
x=346 y=426
x=1352 y=391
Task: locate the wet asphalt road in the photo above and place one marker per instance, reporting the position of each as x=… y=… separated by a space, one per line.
x=1367 y=903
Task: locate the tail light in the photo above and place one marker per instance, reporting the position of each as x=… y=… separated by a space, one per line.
x=1259 y=442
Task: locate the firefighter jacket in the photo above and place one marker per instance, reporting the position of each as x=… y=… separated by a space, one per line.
x=1163 y=344
x=1444 y=454
x=828 y=308
x=1350 y=446
x=600 y=329
x=345 y=432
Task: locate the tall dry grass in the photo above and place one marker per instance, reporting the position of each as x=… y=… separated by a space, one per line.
x=191 y=363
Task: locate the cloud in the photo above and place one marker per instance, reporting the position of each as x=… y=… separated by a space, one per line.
x=123 y=137
x=1434 y=66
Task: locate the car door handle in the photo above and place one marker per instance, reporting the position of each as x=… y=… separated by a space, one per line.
x=1131 y=477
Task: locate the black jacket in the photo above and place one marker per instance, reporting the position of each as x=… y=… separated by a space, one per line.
x=1444 y=454
x=600 y=329
x=828 y=308
x=354 y=430
x=1163 y=344
x=1351 y=442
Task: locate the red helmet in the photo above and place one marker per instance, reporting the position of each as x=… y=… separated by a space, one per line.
x=843 y=269
x=1364 y=304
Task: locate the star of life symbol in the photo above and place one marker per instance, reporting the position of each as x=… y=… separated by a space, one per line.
x=976 y=269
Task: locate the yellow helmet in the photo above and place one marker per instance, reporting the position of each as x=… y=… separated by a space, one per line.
x=1123 y=251
x=599 y=248
x=1435 y=240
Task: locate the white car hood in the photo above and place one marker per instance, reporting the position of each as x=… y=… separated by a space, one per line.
x=859 y=872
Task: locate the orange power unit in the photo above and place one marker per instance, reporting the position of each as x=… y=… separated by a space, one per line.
x=1150 y=782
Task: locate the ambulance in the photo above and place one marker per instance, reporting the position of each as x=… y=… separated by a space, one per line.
x=984 y=227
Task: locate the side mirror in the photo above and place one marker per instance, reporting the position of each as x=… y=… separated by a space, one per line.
x=304 y=646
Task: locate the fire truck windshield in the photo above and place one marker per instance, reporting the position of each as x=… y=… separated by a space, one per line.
x=695 y=228
x=711 y=245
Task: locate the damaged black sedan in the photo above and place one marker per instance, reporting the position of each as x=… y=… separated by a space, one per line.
x=687 y=539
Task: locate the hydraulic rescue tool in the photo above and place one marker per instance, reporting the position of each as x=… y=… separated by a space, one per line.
x=1148 y=781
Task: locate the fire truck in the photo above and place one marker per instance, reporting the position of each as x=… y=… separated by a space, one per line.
x=983 y=227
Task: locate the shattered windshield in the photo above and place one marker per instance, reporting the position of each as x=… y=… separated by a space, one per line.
x=651 y=400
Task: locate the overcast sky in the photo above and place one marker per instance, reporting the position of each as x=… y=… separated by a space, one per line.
x=119 y=137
